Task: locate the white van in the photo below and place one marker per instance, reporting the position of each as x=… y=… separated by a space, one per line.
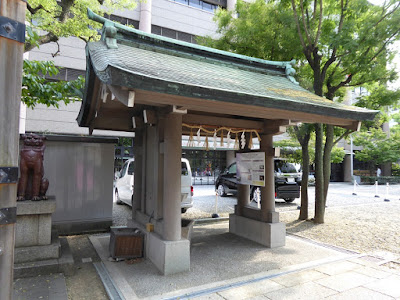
x=124 y=184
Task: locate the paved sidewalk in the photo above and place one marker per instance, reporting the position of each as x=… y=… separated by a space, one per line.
x=41 y=287
x=224 y=266
x=353 y=278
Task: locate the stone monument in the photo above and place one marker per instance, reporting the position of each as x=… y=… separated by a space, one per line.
x=33 y=236
x=31 y=184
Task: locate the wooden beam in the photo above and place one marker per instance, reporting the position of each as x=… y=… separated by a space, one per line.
x=226 y=108
x=124 y=96
x=354 y=127
x=276 y=127
x=222 y=121
x=150 y=117
x=116 y=124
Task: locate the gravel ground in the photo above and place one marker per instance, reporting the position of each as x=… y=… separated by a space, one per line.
x=372 y=229
x=361 y=222
x=84 y=283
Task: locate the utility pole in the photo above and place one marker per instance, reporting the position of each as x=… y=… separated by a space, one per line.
x=12 y=38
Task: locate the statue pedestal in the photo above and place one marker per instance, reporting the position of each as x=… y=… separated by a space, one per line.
x=33 y=238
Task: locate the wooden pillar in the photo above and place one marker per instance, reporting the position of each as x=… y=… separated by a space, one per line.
x=172 y=177
x=11 y=52
x=138 y=185
x=268 y=191
x=243 y=193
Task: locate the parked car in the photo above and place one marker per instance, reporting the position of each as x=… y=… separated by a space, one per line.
x=287 y=182
x=124 y=184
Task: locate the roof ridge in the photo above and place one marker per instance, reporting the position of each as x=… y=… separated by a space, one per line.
x=110 y=29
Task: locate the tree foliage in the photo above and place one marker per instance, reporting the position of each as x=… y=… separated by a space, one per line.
x=339 y=44
x=377 y=146
x=378 y=97
x=262 y=30
x=50 y=20
x=345 y=43
x=37 y=89
x=291 y=149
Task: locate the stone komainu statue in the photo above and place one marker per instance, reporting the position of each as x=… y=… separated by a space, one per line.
x=32 y=185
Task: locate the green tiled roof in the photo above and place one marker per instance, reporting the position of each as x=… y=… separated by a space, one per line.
x=249 y=85
x=137 y=60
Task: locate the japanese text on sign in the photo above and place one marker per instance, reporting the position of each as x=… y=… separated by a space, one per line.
x=251 y=168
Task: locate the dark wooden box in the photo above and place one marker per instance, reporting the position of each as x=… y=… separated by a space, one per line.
x=126 y=243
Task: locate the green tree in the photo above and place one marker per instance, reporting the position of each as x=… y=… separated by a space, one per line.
x=262 y=30
x=343 y=44
x=47 y=22
x=50 y=20
x=300 y=148
x=374 y=140
x=378 y=147
x=37 y=89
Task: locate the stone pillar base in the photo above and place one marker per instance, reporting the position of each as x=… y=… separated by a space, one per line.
x=170 y=257
x=271 y=235
x=34 y=222
x=40 y=252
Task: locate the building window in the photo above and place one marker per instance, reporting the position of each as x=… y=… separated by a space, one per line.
x=210 y=5
x=174 y=34
x=195 y=3
x=122 y=20
x=170 y=33
x=66 y=74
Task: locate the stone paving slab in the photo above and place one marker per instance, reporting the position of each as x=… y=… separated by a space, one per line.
x=214 y=296
x=360 y=293
x=345 y=281
x=251 y=290
x=309 y=290
x=51 y=287
x=372 y=272
x=389 y=286
x=337 y=268
x=299 y=277
x=218 y=259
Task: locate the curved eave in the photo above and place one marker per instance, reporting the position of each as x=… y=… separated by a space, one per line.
x=132 y=81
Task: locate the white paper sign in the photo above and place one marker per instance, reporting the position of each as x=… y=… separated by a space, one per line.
x=251 y=168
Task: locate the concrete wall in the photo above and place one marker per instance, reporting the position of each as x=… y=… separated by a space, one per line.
x=61 y=120
x=72 y=53
x=183 y=18
x=80 y=172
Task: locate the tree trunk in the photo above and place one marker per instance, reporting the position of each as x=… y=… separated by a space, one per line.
x=319 y=176
x=304 y=180
x=327 y=159
x=386 y=169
